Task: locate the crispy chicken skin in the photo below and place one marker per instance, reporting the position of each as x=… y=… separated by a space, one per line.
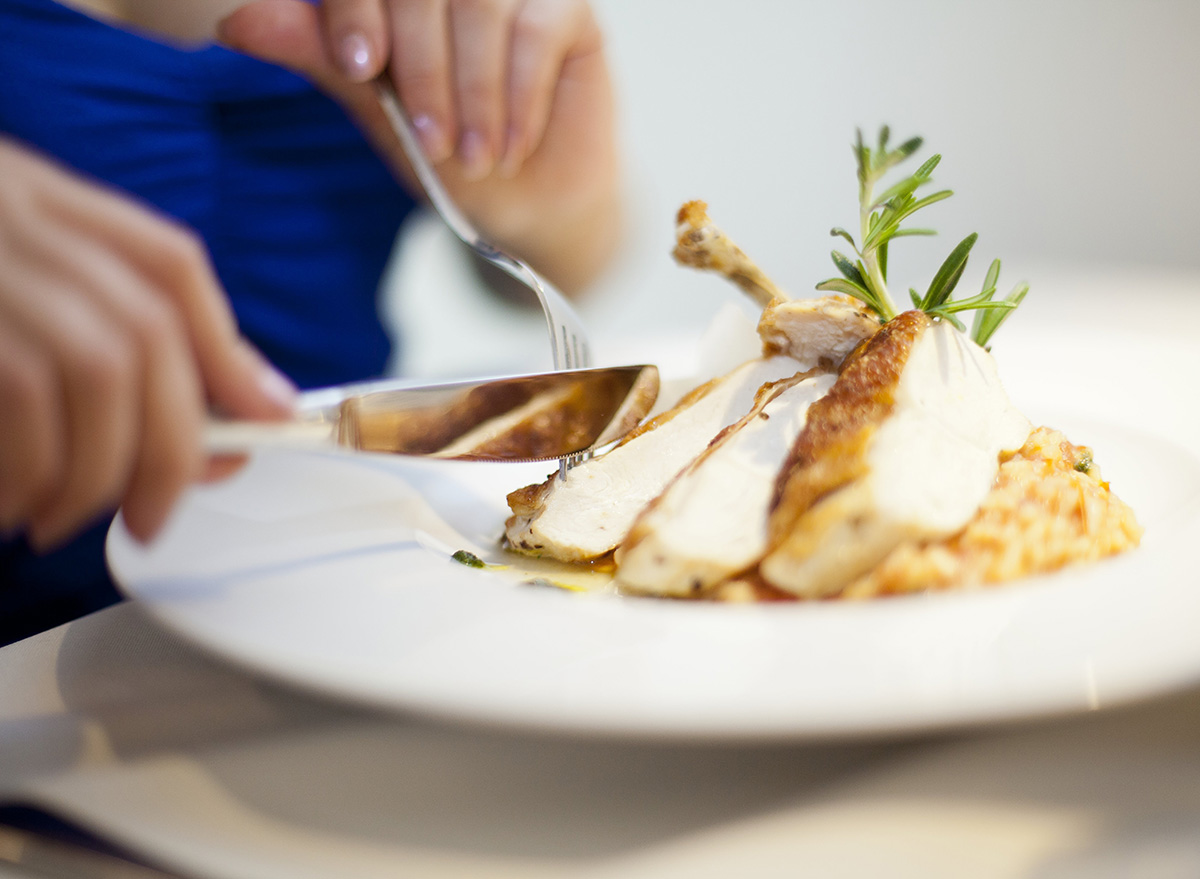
x=830 y=452
x=905 y=446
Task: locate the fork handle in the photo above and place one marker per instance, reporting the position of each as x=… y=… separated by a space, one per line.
x=430 y=182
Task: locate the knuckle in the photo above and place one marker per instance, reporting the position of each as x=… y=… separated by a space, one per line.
x=478 y=98
x=156 y=325
x=101 y=367
x=182 y=249
x=533 y=26
x=421 y=82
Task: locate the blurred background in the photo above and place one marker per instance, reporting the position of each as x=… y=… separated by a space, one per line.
x=1069 y=130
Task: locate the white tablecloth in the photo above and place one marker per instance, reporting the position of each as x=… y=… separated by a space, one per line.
x=129 y=730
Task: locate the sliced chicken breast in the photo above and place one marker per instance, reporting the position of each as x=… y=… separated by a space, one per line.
x=711 y=521
x=587 y=514
x=817 y=332
x=906 y=445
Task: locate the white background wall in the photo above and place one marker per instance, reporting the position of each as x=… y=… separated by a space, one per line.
x=1070 y=131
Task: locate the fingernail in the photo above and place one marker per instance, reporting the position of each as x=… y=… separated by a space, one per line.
x=510 y=164
x=356 y=57
x=433 y=139
x=476 y=157
x=277 y=387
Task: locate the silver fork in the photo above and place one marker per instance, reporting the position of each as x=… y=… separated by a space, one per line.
x=568 y=341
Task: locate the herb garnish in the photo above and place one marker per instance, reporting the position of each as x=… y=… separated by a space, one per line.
x=880 y=218
x=463 y=557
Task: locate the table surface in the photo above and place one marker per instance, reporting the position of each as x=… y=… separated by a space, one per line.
x=127 y=729
x=113 y=722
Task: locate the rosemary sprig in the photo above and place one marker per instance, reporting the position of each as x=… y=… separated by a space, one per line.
x=880 y=219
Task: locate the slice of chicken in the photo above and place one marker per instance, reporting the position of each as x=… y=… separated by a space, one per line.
x=816 y=332
x=905 y=446
x=711 y=521
x=587 y=514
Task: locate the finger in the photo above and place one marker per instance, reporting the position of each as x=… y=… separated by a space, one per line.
x=144 y=338
x=420 y=67
x=357 y=37
x=480 y=39
x=100 y=424
x=288 y=33
x=544 y=34
x=219 y=467
x=31 y=447
x=170 y=455
x=92 y=370
x=174 y=261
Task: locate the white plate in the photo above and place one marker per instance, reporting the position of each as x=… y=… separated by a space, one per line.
x=333 y=573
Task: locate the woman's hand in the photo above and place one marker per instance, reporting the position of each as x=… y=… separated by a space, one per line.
x=115 y=338
x=512 y=100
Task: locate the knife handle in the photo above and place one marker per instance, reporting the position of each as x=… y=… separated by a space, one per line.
x=238 y=437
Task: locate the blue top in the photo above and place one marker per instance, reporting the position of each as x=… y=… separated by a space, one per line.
x=298 y=213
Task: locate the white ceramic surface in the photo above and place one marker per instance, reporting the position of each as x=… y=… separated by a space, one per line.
x=334 y=573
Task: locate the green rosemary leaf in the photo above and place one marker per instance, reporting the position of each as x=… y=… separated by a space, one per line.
x=993 y=318
x=947 y=276
x=927 y=167
x=862 y=155
x=907 y=186
x=931 y=199
x=841 y=285
x=909 y=147
x=989 y=289
x=896 y=213
x=882 y=230
x=880 y=219
x=915 y=297
x=849 y=269
x=839 y=232
x=980 y=301
x=992 y=277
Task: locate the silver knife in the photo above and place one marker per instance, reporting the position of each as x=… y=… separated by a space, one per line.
x=533 y=417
